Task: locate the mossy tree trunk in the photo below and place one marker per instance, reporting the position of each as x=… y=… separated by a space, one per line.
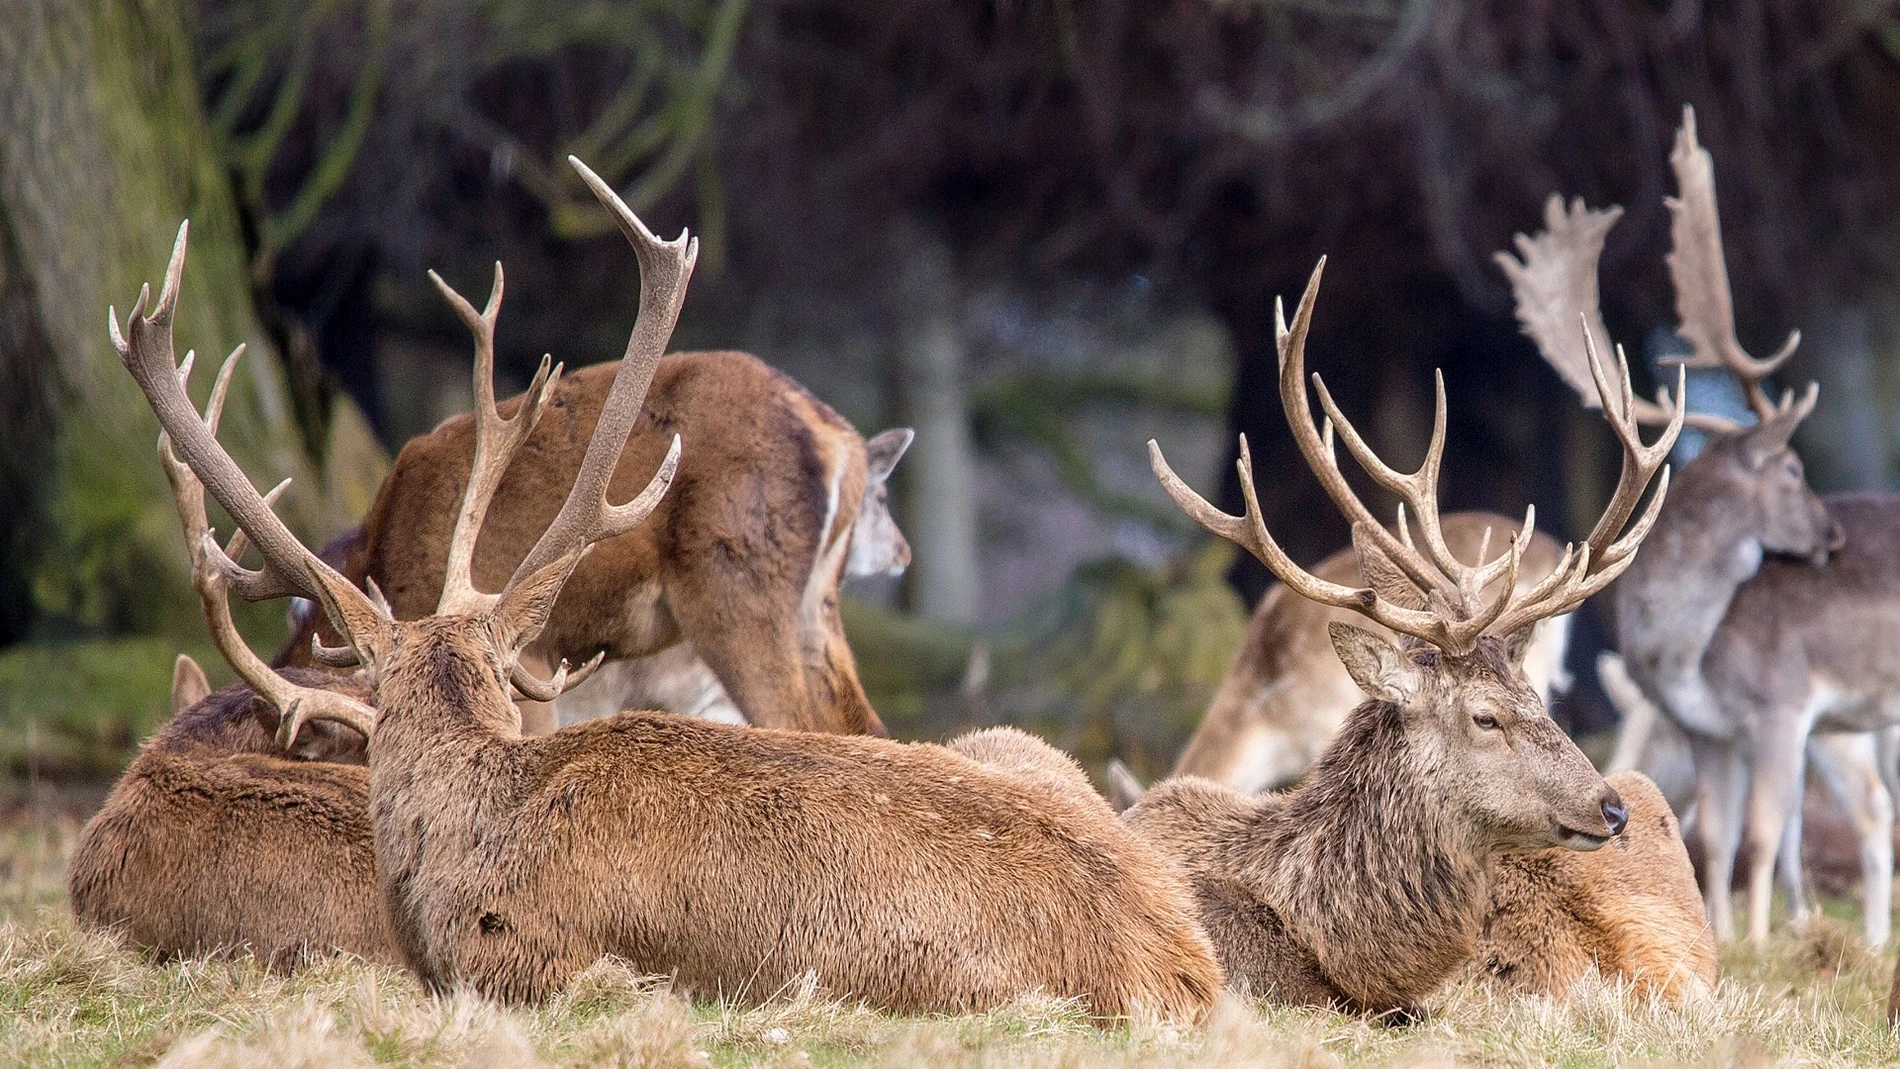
x=103 y=150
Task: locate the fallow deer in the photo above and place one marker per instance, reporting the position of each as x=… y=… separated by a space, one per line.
x=1287 y=695
x=1630 y=911
x=207 y=842
x=776 y=500
x=1366 y=885
x=1760 y=612
x=735 y=859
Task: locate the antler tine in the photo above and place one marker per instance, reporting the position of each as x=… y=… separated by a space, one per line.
x=1640 y=462
x=211 y=570
x=586 y=517
x=1250 y=533
x=496 y=442
x=1316 y=446
x=1699 y=271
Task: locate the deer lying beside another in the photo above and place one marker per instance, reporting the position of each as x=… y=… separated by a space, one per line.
x=736 y=859
x=1630 y=910
x=1366 y=886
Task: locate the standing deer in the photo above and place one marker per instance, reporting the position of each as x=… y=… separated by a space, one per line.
x=1760 y=613
x=1287 y=695
x=1366 y=885
x=734 y=582
x=205 y=843
x=735 y=859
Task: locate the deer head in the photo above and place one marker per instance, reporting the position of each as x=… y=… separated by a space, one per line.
x=878 y=548
x=470 y=627
x=1750 y=470
x=1455 y=679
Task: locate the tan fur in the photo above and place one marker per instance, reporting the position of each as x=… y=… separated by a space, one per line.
x=212 y=841
x=1630 y=910
x=1365 y=887
x=737 y=859
x=727 y=561
x=1286 y=695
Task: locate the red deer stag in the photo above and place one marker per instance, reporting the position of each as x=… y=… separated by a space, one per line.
x=205 y=843
x=735 y=859
x=1760 y=612
x=1287 y=695
x=1366 y=885
x=733 y=583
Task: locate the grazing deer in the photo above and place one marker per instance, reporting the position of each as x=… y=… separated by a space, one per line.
x=776 y=500
x=207 y=842
x=1630 y=910
x=1287 y=695
x=1760 y=613
x=735 y=859
x=1365 y=886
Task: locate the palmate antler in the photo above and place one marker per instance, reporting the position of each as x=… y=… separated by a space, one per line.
x=1418 y=587
x=1554 y=279
x=290 y=568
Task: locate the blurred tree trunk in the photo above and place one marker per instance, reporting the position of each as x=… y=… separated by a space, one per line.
x=103 y=150
x=939 y=472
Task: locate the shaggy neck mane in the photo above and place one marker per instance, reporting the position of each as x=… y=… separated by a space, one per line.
x=1366 y=866
x=447 y=692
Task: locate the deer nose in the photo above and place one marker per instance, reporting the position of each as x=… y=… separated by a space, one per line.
x=1615 y=814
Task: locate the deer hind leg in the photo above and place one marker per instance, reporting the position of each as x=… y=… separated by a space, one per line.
x=1849 y=765
x=1721 y=791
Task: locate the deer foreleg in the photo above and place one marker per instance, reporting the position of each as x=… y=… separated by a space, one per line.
x=1721 y=789
x=1774 y=791
x=1849 y=765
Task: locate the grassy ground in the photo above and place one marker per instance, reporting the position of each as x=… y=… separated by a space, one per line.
x=71 y=998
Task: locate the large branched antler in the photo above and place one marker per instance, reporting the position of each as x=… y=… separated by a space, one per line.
x=1418 y=586
x=585 y=517
x=211 y=569
x=145 y=348
x=1697 y=268
x=1554 y=280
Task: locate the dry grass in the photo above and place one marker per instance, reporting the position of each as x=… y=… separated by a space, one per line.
x=72 y=998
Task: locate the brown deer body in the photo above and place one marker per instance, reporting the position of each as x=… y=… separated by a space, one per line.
x=1630 y=910
x=1759 y=613
x=908 y=876
x=1366 y=885
x=776 y=496
x=206 y=843
x=1287 y=695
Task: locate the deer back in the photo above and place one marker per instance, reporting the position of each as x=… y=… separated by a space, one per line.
x=1287 y=694
x=212 y=841
x=1630 y=910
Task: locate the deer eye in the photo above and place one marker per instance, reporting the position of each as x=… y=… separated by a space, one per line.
x=1489 y=723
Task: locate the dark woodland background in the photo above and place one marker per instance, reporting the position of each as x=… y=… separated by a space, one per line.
x=1040 y=231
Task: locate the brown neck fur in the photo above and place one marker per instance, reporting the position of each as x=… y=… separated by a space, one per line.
x=1404 y=891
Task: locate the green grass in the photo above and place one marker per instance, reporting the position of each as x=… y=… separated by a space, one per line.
x=73 y=998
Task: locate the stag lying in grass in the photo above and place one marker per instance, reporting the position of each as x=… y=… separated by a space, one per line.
x=735 y=859
x=1760 y=612
x=1365 y=887
x=217 y=838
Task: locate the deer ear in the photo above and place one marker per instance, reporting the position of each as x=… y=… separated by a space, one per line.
x=1764 y=440
x=525 y=607
x=364 y=627
x=189 y=685
x=884 y=451
x=1518 y=643
x=1381 y=669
